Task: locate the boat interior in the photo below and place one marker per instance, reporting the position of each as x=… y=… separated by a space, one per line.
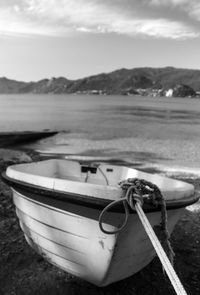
x=100 y=174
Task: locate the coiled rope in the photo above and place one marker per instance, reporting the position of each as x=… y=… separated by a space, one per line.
x=138 y=191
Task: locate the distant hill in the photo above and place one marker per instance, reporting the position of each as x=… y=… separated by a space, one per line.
x=115 y=82
x=10 y=86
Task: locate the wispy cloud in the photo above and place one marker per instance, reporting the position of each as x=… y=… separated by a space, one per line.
x=127 y=17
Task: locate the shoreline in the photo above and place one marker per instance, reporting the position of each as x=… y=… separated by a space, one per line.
x=152 y=152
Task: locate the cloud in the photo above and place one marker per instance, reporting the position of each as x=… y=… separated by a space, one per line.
x=190 y=7
x=194 y=11
x=65 y=17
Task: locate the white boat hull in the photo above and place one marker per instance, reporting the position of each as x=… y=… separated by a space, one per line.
x=73 y=241
x=59 y=202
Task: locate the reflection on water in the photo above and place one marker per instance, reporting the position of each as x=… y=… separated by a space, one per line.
x=166 y=116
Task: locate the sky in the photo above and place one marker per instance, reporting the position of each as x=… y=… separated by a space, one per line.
x=77 y=38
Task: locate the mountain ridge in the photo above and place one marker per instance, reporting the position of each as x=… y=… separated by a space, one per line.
x=114 y=82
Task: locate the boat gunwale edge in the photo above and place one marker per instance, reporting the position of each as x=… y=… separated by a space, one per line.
x=91 y=202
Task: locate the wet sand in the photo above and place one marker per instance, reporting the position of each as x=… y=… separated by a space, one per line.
x=23 y=271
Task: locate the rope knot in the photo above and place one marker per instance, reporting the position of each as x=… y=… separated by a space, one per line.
x=141 y=191
x=132 y=196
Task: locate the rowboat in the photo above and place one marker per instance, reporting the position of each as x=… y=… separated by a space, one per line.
x=20 y=137
x=58 y=203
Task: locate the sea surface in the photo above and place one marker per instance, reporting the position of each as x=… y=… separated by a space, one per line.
x=105 y=124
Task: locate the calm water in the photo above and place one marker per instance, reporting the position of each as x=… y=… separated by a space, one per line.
x=100 y=116
x=103 y=117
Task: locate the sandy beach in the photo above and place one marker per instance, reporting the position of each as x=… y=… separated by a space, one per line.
x=25 y=272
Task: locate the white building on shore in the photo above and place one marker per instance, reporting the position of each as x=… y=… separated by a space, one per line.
x=169 y=93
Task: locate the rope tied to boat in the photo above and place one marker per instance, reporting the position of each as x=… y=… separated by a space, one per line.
x=142 y=191
x=137 y=192
x=151 y=194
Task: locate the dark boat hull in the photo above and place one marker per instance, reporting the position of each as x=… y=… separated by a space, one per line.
x=11 y=138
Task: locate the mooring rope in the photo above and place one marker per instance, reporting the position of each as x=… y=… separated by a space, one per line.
x=151 y=194
x=138 y=191
x=145 y=191
x=176 y=283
